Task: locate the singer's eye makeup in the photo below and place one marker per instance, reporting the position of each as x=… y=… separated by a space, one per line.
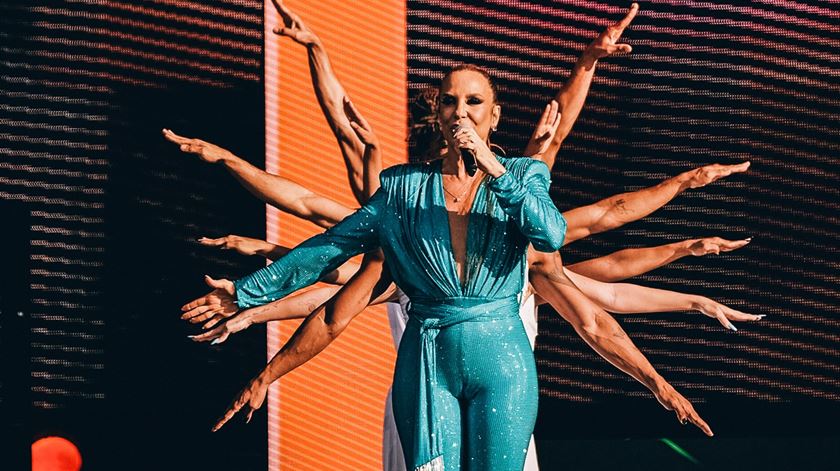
x=448 y=100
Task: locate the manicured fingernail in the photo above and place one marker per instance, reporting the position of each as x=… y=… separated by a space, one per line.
x=733 y=328
x=214 y=342
x=748 y=239
x=761 y=316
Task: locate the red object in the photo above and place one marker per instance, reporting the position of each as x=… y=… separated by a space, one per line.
x=55 y=454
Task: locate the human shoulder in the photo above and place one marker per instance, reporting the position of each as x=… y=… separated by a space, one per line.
x=404 y=174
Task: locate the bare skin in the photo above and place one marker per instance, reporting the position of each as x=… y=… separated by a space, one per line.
x=628 y=263
x=667 y=396
x=597 y=284
x=470 y=115
x=331 y=95
x=316 y=332
x=350 y=128
x=273 y=189
x=572 y=95
x=601 y=216
x=605 y=336
x=620 y=209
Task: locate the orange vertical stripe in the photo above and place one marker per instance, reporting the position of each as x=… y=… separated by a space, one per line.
x=328 y=414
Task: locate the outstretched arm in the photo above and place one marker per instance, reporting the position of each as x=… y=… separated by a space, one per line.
x=249 y=246
x=301 y=267
x=620 y=209
x=626 y=298
x=315 y=333
x=246 y=246
x=628 y=263
x=572 y=95
x=331 y=96
x=605 y=336
x=294 y=306
x=275 y=190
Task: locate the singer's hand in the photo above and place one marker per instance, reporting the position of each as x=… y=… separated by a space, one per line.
x=466 y=138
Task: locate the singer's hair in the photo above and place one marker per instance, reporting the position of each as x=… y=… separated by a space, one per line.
x=473 y=68
x=424 y=138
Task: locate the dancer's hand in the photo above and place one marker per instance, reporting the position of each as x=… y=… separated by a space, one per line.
x=293 y=27
x=360 y=125
x=251 y=397
x=606 y=43
x=713 y=245
x=220 y=333
x=216 y=305
x=672 y=400
x=702 y=176
x=208 y=152
x=545 y=130
x=467 y=138
x=240 y=244
x=724 y=314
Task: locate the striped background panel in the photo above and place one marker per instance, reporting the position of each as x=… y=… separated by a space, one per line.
x=707 y=82
x=85 y=86
x=328 y=414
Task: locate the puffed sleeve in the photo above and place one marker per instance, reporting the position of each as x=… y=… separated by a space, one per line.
x=315 y=257
x=528 y=203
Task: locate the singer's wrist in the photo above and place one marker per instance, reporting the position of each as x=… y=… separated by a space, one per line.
x=495 y=169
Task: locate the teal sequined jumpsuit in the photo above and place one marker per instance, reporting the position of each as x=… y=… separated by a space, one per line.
x=465 y=383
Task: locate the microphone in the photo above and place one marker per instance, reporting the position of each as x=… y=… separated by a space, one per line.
x=468 y=156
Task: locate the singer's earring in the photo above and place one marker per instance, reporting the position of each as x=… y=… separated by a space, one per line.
x=493 y=129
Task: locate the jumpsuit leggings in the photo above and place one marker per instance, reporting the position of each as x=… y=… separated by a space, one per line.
x=482 y=391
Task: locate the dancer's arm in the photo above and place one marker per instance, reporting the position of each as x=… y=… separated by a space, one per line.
x=331 y=97
x=246 y=246
x=299 y=268
x=315 y=333
x=601 y=332
x=620 y=209
x=573 y=93
x=626 y=298
x=295 y=306
x=373 y=156
x=628 y=263
x=275 y=190
x=249 y=246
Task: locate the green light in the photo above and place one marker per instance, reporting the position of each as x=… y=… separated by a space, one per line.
x=680 y=451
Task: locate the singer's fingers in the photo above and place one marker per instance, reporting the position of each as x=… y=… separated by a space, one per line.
x=465 y=131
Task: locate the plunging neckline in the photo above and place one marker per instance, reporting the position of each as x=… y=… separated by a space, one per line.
x=451 y=249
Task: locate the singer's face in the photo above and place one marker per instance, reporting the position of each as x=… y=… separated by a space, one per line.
x=466 y=99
